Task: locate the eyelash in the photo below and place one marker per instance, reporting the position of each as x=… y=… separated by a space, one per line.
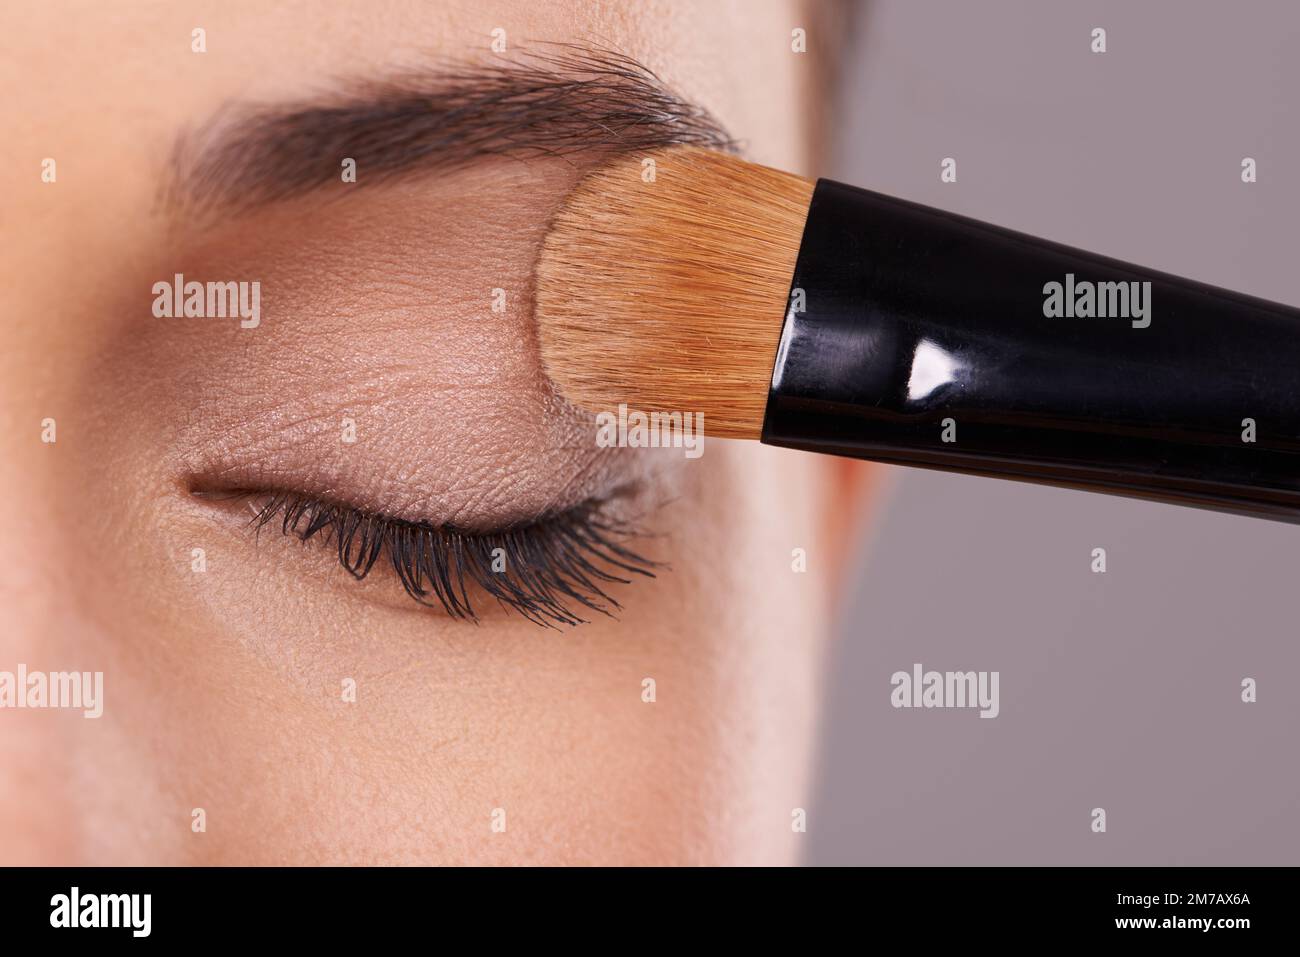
x=549 y=564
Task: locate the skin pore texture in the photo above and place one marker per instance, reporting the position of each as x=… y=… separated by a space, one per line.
x=223 y=687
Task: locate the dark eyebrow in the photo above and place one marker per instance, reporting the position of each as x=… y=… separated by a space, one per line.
x=560 y=101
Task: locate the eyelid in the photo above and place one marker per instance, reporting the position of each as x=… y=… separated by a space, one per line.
x=541 y=568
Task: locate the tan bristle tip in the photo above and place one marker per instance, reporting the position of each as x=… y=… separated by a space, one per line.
x=662 y=285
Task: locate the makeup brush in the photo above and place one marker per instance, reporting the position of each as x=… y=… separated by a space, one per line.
x=824 y=317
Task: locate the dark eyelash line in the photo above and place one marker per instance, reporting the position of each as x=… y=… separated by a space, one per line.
x=549 y=564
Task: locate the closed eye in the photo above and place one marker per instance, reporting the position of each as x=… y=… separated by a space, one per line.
x=548 y=569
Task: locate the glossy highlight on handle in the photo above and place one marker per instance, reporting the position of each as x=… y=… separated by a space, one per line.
x=924 y=338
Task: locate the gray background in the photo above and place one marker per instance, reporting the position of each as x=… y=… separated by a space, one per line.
x=1119 y=690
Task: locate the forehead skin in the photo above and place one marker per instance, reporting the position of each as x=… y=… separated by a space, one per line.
x=222 y=688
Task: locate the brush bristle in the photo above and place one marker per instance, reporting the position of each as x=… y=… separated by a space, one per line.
x=668 y=293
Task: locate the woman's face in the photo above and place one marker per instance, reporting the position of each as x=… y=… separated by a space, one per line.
x=389 y=369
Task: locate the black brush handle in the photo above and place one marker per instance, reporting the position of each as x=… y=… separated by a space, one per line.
x=919 y=325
